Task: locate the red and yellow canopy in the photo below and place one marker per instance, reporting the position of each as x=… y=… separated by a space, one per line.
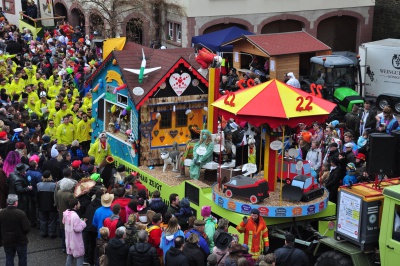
x=274 y=103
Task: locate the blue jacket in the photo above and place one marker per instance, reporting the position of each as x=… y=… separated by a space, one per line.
x=202 y=242
x=349 y=179
x=99 y=216
x=35 y=178
x=167 y=241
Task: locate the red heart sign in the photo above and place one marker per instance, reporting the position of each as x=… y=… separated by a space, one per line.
x=179 y=83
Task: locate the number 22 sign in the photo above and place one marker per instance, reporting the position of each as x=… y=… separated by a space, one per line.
x=307 y=106
x=231 y=101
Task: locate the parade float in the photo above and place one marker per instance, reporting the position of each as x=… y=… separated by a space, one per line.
x=156 y=113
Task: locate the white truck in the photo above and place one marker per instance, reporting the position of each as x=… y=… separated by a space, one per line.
x=380 y=72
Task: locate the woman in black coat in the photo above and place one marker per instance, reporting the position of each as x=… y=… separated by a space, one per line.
x=193 y=252
x=333 y=181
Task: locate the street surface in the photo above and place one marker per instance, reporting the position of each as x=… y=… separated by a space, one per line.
x=41 y=251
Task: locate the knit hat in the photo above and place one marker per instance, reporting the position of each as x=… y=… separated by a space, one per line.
x=255 y=211
x=20 y=145
x=3 y=135
x=46 y=138
x=351 y=166
x=361 y=156
x=103 y=134
x=96 y=177
x=54 y=152
x=206 y=211
x=76 y=163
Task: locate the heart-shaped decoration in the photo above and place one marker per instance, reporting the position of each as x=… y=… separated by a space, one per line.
x=179 y=83
x=162 y=138
x=173 y=133
x=156 y=132
x=146 y=129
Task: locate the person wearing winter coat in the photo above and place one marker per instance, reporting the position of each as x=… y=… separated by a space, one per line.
x=193 y=252
x=103 y=212
x=18 y=184
x=157 y=204
x=198 y=229
x=222 y=243
x=333 y=181
x=209 y=228
x=314 y=156
x=34 y=176
x=143 y=253
x=90 y=231
x=169 y=235
x=114 y=221
x=117 y=250
x=155 y=232
x=73 y=233
x=174 y=256
x=46 y=206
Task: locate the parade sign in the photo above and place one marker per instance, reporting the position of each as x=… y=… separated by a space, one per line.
x=349 y=215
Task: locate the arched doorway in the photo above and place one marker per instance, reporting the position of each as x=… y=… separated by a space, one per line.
x=339 y=33
x=218 y=27
x=77 y=18
x=282 y=26
x=134 y=30
x=60 y=10
x=96 y=24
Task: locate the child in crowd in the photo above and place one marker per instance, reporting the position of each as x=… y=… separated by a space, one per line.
x=350 y=177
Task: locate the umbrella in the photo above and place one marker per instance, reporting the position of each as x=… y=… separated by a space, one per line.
x=274 y=103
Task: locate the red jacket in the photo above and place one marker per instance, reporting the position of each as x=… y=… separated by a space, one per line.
x=155 y=233
x=140 y=186
x=123 y=202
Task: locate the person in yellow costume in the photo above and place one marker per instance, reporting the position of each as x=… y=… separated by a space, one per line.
x=61 y=114
x=3 y=67
x=100 y=149
x=46 y=82
x=69 y=101
x=54 y=90
x=43 y=106
x=87 y=100
x=51 y=130
x=54 y=77
x=4 y=84
x=16 y=86
x=33 y=98
x=55 y=108
x=83 y=131
x=65 y=132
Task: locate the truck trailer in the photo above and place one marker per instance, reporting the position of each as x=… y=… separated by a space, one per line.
x=380 y=72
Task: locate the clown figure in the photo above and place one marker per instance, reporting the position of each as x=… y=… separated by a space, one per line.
x=202 y=153
x=251 y=150
x=100 y=149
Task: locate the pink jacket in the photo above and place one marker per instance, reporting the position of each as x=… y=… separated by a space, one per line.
x=73 y=233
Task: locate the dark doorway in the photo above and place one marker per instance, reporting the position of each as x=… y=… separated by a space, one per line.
x=77 y=18
x=340 y=33
x=97 y=25
x=60 y=10
x=305 y=63
x=222 y=27
x=134 y=31
x=282 y=26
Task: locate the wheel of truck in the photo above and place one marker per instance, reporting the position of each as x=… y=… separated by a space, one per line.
x=333 y=258
x=253 y=199
x=396 y=106
x=382 y=102
x=228 y=193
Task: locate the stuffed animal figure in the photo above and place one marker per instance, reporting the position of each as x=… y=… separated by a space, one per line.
x=167 y=159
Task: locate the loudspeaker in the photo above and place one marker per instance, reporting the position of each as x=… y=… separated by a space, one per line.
x=396 y=170
x=381 y=156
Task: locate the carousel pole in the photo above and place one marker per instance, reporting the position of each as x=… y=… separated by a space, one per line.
x=283 y=154
x=213 y=91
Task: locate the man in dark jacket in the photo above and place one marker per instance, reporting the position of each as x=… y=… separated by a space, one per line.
x=332 y=152
x=143 y=253
x=46 y=206
x=18 y=184
x=367 y=118
x=174 y=255
x=14 y=226
x=90 y=231
x=117 y=250
x=289 y=255
x=332 y=183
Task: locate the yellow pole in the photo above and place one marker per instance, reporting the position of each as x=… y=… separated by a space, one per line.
x=283 y=154
x=266 y=157
x=213 y=90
